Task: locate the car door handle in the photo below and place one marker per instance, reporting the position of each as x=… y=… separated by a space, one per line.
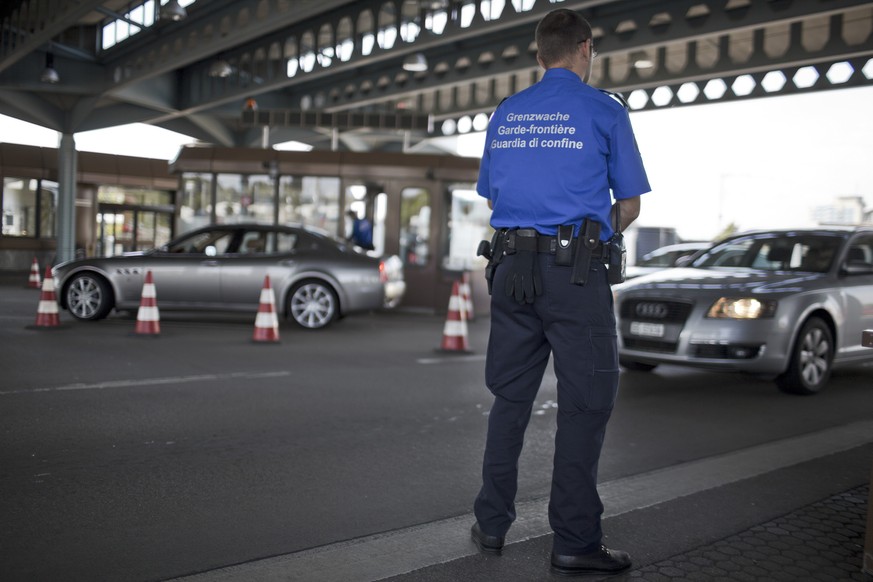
x=210 y=263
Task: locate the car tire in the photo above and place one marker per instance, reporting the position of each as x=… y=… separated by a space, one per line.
x=312 y=304
x=88 y=297
x=636 y=366
x=811 y=357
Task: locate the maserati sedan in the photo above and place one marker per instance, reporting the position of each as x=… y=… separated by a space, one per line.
x=789 y=304
x=315 y=278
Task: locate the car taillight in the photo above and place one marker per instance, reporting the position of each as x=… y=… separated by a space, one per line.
x=383 y=275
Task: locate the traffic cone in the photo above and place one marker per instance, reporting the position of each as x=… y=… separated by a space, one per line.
x=47 y=312
x=266 y=322
x=34 y=281
x=455 y=329
x=148 y=319
x=467 y=295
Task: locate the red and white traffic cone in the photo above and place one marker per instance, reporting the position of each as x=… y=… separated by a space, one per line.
x=47 y=311
x=266 y=322
x=33 y=282
x=455 y=329
x=466 y=292
x=148 y=319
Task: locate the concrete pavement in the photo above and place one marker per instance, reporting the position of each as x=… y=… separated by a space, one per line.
x=790 y=510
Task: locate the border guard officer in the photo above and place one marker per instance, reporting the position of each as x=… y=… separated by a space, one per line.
x=556 y=155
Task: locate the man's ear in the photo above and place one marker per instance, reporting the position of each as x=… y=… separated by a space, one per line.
x=540 y=61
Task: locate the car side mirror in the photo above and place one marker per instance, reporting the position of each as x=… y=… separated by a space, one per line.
x=851 y=268
x=682 y=261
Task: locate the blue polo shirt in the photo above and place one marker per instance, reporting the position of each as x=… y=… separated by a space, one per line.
x=554 y=151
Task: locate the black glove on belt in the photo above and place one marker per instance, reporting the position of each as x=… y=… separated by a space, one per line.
x=523 y=281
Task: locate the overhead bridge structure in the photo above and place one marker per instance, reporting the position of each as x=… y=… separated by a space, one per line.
x=386 y=76
x=310 y=66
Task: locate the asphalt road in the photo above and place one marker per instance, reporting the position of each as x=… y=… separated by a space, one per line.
x=145 y=458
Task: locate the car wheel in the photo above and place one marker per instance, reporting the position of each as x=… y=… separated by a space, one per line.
x=88 y=297
x=810 y=366
x=313 y=304
x=636 y=366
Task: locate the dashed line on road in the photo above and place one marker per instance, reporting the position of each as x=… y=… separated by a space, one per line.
x=447 y=359
x=152 y=382
x=388 y=554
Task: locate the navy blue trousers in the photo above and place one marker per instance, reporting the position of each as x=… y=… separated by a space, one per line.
x=576 y=325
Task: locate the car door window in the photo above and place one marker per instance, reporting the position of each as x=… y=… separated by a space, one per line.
x=253 y=242
x=285 y=242
x=212 y=243
x=861 y=252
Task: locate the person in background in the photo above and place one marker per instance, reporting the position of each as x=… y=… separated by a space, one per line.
x=362 y=231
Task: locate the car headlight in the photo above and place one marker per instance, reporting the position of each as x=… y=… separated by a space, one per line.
x=741 y=308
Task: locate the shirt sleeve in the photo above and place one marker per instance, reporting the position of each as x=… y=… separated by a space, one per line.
x=627 y=175
x=483 y=186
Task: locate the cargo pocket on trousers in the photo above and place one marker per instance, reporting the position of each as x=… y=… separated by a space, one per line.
x=604 y=382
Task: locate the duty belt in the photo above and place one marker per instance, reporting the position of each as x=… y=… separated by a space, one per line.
x=547 y=244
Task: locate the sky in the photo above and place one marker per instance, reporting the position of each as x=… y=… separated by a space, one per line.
x=758 y=163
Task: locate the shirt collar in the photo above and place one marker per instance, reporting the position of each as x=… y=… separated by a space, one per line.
x=561 y=73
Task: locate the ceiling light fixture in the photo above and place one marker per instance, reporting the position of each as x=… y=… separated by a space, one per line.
x=220 y=68
x=641 y=60
x=173 y=11
x=49 y=74
x=415 y=63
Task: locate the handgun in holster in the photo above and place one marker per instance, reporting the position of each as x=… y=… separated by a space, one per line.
x=617 y=262
x=493 y=251
x=586 y=244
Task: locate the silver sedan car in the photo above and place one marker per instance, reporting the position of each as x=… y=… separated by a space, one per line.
x=315 y=278
x=789 y=304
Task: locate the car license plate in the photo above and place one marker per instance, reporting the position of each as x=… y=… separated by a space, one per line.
x=647 y=329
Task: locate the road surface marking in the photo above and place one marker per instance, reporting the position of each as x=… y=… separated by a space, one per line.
x=448 y=359
x=152 y=382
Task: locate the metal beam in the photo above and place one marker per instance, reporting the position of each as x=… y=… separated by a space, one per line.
x=53 y=18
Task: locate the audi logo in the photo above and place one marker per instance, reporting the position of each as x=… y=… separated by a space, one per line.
x=651 y=310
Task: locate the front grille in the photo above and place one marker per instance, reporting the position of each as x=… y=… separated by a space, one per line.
x=649 y=345
x=655 y=310
x=726 y=352
x=670 y=315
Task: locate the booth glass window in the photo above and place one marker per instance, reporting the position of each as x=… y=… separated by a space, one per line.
x=195 y=204
x=467 y=223
x=244 y=198
x=134 y=196
x=29 y=207
x=48 y=209
x=311 y=201
x=132 y=219
x=415 y=226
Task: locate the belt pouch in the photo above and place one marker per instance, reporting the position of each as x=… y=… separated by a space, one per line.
x=563 y=245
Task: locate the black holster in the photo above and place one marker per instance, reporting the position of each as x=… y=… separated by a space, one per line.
x=494 y=252
x=586 y=244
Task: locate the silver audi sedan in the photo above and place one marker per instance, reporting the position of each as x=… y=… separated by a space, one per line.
x=315 y=278
x=789 y=304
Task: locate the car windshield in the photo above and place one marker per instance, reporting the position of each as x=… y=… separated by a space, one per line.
x=788 y=252
x=664 y=259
